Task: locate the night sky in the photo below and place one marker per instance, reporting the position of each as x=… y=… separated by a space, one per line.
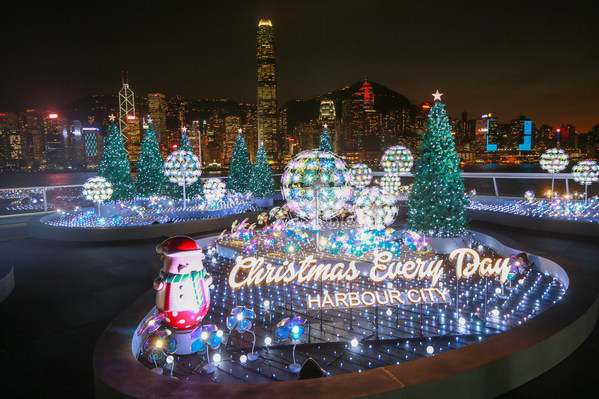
x=510 y=58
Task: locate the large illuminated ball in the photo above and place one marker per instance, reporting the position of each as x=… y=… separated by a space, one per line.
x=397 y=159
x=586 y=172
x=391 y=184
x=375 y=208
x=97 y=189
x=360 y=175
x=316 y=174
x=214 y=189
x=554 y=160
x=182 y=167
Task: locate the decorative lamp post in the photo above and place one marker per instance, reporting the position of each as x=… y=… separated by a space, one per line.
x=554 y=160
x=586 y=173
x=97 y=189
x=184 y=168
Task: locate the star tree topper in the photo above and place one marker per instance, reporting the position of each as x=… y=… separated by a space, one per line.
x=437 y=96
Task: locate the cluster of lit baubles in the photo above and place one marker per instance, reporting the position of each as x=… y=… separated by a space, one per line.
x=554 y=160
x=361 y=242
x=529 y=195
x=397 y=159
x=97 y=189
x=417 y=242
x=391 y=184
x=182 y=167
x=360 y=175
x=375 y=208
x=586 y=172
x=214 y=190
x=316 y=182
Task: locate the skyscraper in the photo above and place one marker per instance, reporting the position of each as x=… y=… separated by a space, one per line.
x=157 y=108
x=267 y=88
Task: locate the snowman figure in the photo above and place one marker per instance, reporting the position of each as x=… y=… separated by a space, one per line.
x=183 y=293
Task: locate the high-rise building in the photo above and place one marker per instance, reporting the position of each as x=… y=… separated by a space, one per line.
x=30 y=126
x=55 y=134
x=92 y=144
x=267 y=89
x=157 y=111
x=11 y=145
x=232 y=129
x=133 y=133
x=328 y=115
x=126 y=107
x=74 y=156
x=521 y=132
x=361 y=122
x=486 y=133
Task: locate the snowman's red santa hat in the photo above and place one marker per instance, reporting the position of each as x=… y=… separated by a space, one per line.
x=177 y=244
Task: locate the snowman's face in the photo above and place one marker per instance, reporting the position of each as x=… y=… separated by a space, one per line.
x=183 y=262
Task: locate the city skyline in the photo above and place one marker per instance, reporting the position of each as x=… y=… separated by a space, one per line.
x=536 y=61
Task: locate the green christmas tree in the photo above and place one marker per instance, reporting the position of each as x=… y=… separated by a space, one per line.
x=195 y=188
x=114 y=165
x=240 y=166
x=261 y=182
x=150 y=178
x=437 y=199
x=325 y=140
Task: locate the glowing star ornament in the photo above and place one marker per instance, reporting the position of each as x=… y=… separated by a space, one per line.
x=554 y=160
x=437 y=96
x=586 y=173
x=391 y=184
x=183 y=295
x=360 y=175
x=214 y=190
x=315 y=185
x=397 y=159
x=182 y=167
x=375 y=208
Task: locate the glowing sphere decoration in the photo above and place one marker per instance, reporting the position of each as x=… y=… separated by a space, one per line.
x=375 y=208
x=397 y=159
x=586 y=172
x=360 y=175
x=214 y=189
x=182 y=167
x=554 y=160
x=529 y=195
x=391 y=184
x=97 y=189
x=316 y=183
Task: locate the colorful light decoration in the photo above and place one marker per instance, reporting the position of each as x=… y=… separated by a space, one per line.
x=375 y=208
x=416 y=242
x=391 y=184
x=291 y=327
x=241 y=320
x=315 y=185
x=586 y=173
x=554 y=160
x=360 y=175
x=529 y=195
x=397 y=159
x=182 y=167
x=97 y=189
x=205 y=337
x=214 y=190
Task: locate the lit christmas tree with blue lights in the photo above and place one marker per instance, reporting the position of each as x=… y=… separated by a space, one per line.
x=240 y=168
x=261 y=182
x=150 y=179
x=114 y=164
x=325 y=140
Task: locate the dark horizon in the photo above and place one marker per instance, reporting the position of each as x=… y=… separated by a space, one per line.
x=538 y=60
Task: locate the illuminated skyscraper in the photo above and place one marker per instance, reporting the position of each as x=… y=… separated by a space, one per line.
x=55 y=135
x=486 y=133
x=157 y=108
x=126 y=105
x=267 y=88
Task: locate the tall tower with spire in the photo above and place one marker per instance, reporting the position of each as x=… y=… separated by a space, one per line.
x=267 y=88
x=126 y=103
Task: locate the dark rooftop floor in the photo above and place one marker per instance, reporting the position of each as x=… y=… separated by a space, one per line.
x=66 y=294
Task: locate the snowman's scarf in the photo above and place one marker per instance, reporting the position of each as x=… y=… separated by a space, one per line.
x=195 y=278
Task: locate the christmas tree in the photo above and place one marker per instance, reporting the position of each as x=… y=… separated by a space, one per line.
x=437 y=199
x=114 y=164
x=150 y=178
x=325 y=140
x=261 y=182
x=240 y=166
x=195 y=188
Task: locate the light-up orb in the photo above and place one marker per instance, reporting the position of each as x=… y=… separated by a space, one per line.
x=397 y=159
x=360 y=175
x=529 y=195
x=375 y=208
x=554 y=160
x=214 y=189
x=391 y=184
x=97 y=189
x=586 y=172
x=182 y=167
x=311 y=174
